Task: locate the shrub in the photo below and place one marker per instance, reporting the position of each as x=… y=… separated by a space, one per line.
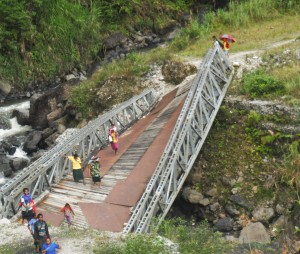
x=260 y=84
x=134 y=244
x=198 y=239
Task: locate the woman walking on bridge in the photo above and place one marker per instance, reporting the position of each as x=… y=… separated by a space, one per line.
x=95 y=169
x=114 y=140
x=77 y=168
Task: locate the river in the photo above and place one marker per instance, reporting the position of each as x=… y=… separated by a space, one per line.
x=9 y=127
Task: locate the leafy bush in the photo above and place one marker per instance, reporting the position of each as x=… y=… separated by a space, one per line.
x=194 y=239
x=259 y=84
x=254 y=118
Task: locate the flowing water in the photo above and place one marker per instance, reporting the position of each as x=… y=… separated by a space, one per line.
x=9 y=127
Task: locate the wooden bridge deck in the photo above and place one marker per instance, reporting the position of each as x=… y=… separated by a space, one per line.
x=125 y=175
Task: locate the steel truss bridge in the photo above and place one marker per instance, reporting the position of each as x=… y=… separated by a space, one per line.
x=194 y=122
x=53 y=166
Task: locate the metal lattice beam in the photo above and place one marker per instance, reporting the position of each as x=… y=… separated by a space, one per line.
x=51 y=167
x=187 y=138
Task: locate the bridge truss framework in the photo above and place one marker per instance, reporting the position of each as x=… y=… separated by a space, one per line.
x=53 y=166
x=192 y=127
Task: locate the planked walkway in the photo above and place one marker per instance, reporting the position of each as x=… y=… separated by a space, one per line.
x=125 y=175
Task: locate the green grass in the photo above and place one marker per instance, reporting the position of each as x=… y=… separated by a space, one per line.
x=133 y=244
x=194 y=238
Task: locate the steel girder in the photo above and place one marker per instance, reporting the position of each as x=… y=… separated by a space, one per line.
x=52 y=166
x=192 y=127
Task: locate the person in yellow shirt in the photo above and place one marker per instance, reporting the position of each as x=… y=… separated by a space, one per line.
x=77 y=167
x=114 y=141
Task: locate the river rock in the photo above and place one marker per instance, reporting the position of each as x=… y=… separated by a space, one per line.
x=231 y=210
x=12 y=150
x=22 y=116
x=61 y=121
x=47 y=132
x=4 y=123
x=212 y=192
x=31 y=144
x=214 y=207
x=19 y=163
x=54 y=115
x=263 y=214
x=70 y=77
x=254 y=232
x=192 y=196
x=279 y=209
x=13 y=141
x=51 y=139
x=4 y=162
x=114 y=40
x=281 y=222
x=237 y=199
x=176 y=72
x=7 y=170
x=224 y=224
x=5 y=87
x=61 y=128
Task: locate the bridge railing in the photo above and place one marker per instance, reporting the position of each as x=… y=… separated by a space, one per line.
x=187 y=138
x=52 y=166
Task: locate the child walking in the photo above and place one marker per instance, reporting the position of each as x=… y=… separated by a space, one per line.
x=68 y=212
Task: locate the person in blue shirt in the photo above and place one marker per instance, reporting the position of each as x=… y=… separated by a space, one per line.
x=50 y=247
x=31 y=230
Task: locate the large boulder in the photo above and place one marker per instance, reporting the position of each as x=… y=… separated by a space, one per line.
x=22 y=116
x=254 y=232
x=31 y=144
x=5 y=87
x=176 y=72
x=43 y=104
x=19 y=163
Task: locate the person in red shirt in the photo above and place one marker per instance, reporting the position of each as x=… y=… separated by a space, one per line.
x=226 y=46
x=68 y=212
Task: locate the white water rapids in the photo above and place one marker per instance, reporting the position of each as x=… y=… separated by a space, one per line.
x=15 y=129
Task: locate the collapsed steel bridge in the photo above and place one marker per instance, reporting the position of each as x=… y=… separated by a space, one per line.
x=191 y=129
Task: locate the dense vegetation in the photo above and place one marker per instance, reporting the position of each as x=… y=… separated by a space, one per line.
x=194 y=40
x=187 y=238
x=41 y=39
